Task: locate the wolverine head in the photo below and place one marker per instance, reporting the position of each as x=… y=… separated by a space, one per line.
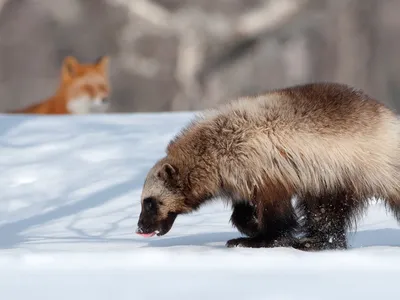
x=163 y=199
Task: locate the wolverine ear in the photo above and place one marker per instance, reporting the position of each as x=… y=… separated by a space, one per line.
x=69 y=67
x=167 y=173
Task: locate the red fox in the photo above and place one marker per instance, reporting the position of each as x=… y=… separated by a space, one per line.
x=83 y=89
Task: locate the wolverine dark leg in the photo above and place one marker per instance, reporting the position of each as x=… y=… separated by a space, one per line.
x=276 y=222
x=393 y=204
x=326 y=219
x=244 y=218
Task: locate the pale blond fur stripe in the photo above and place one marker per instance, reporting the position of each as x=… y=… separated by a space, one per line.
x=368 y=155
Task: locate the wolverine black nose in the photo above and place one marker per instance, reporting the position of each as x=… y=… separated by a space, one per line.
x=140 y=226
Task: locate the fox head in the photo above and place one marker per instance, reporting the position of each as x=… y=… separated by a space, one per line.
x=86 y=86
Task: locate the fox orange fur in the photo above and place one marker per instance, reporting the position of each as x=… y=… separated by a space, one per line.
x=83 y=89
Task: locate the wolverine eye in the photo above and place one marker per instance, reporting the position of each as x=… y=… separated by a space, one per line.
x=149 y=204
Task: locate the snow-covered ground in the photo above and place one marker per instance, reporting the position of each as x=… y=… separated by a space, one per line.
x=69 y=203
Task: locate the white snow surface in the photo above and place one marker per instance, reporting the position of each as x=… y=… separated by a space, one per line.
x=69 y=203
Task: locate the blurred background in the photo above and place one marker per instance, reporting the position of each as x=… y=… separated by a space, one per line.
x=174 y=55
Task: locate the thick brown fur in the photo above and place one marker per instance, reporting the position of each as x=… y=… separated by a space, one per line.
x=329 y=145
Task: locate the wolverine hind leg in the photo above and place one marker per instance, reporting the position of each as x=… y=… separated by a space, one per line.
x=326 y=218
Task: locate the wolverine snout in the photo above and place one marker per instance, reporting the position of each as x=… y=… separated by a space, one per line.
x=146 y=229
x=148 y=222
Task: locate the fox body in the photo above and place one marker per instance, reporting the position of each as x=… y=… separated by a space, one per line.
x=330 y=146
x=83 y=89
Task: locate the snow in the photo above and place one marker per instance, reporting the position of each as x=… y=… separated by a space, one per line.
x=69 y=203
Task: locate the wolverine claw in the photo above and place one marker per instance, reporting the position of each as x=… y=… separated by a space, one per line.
x=253 y=242
x=260 y=242
x=315 y=244
x=234 y=242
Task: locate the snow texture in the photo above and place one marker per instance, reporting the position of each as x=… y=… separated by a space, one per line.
x=69 y=204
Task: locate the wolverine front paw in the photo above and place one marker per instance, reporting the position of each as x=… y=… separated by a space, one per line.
x=234 y=242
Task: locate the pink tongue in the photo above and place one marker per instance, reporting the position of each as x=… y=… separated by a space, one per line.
x=147 y=234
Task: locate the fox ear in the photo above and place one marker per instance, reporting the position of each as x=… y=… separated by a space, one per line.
x=102 y=62
x=69 y=67
x=167 y=173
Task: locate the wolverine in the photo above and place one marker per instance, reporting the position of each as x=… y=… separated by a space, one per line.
x=329 y=146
